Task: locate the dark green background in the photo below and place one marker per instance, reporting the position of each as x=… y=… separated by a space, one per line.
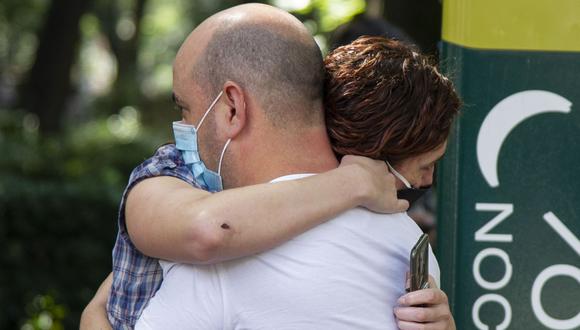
x=538 y=170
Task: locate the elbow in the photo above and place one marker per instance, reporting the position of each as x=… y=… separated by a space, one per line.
x=84 y=321
x=94 y=313
x=206 y=239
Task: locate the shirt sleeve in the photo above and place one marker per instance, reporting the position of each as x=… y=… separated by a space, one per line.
x=167 y=161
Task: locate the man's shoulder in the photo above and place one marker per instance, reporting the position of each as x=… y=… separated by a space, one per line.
x=365 y=213
x=362 y=220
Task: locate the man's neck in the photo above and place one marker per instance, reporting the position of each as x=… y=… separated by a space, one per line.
x=310 y=153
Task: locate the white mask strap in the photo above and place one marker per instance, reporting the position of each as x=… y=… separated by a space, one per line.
x=398 y=175
x=222 y=156
x=208 y=110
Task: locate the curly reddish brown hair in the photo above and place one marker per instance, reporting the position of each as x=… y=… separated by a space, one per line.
x=384 y=100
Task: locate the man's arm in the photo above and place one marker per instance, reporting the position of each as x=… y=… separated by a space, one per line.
x=168 y=219
x=436 y=314
x=94 y=316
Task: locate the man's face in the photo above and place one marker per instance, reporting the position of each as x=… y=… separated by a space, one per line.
x=418 y=170
x=188 y=94
x=191 y=98
x=192 y=101
x=191 y=113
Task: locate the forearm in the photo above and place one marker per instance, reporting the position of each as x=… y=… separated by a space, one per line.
x=257 y=218
x=167 y=219
x=94 y=316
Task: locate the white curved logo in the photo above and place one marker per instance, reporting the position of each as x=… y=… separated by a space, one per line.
x=504 y=117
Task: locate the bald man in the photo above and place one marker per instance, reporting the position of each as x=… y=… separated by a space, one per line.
x=253 y=76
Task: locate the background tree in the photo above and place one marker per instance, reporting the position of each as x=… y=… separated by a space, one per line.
x=121 y=24
x=48 y=86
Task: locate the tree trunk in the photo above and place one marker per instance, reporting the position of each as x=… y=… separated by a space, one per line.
x=126 y=86
x=48 y=86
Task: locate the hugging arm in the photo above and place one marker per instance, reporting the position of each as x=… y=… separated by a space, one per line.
x=167 y=219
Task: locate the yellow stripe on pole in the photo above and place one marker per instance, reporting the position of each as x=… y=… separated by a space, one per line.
x=548 y=25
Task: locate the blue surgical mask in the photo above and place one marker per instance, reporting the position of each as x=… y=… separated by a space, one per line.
x=186 y=141
x=409 y=193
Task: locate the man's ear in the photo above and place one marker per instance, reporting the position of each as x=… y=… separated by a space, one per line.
x=235 y=116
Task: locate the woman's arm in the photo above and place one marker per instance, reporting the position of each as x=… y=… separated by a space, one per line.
x=168 y=219
x=94 y=316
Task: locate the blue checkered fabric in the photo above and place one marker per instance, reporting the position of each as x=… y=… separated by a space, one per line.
x=136 y=277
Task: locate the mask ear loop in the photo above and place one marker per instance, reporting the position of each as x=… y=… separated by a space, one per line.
x=208 y=110
x=398 y=175
x=222 y=156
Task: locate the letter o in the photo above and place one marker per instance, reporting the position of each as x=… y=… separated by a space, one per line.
x=508 y=269
x=543 y=277
x=491 y=297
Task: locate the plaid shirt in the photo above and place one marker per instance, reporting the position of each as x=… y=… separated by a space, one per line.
x=136 y=277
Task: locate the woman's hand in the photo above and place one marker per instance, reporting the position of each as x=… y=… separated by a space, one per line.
x=434 y=315
x=377 y=183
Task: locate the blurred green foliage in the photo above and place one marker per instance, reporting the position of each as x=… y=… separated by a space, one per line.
x=58 y=204
x=44 y=313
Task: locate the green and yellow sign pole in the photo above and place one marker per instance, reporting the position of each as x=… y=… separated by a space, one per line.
x=509 y=186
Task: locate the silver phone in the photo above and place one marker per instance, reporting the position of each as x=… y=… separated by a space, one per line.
x=419 y=272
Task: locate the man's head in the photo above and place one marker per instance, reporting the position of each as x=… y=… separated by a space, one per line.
x=386 y=101
x=270 y=72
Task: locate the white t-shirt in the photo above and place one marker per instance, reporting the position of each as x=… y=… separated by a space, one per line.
x=344 y=274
